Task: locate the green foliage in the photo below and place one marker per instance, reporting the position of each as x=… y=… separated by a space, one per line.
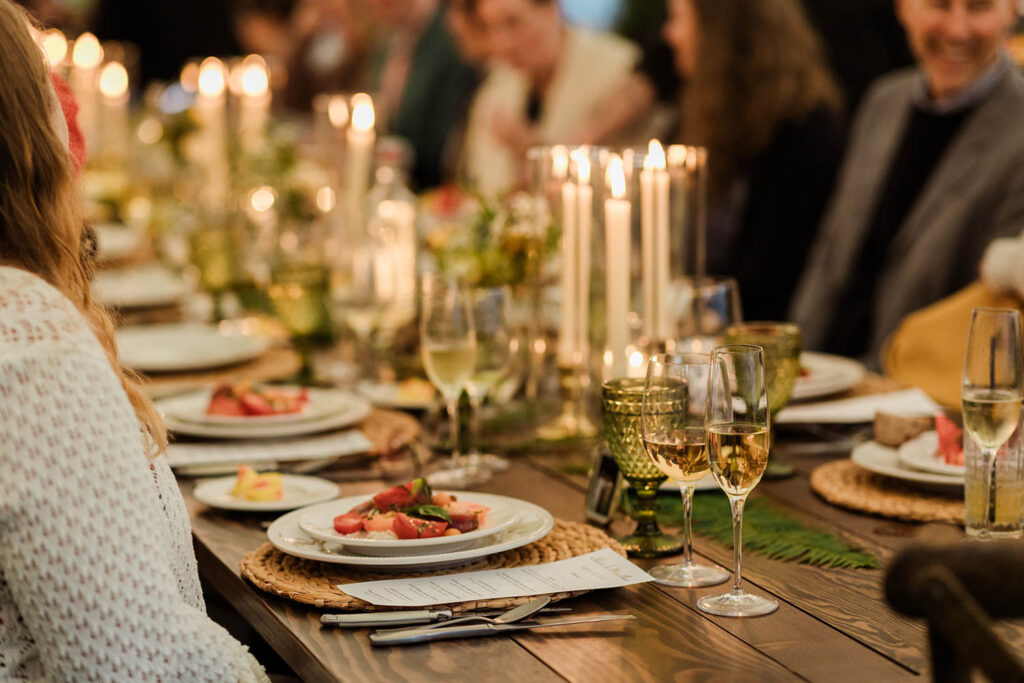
x=767 y=530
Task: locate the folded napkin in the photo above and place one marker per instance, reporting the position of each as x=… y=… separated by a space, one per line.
x=235 y=452
x=908 y=402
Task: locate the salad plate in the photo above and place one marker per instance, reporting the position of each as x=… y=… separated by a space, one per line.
x=319 y=404
x=413 y=394
x=318 y=523
x=532 y=523
x=823 y=374
x=297 y=491
x=185 y=347
x=143 y=286
x=883 y=460
x=921 y=453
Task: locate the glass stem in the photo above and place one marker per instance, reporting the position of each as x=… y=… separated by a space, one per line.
x=453 y=425
x=646 y=512
x=687 y=493
x=988 y=460
x=474 y=422
x=737 y=542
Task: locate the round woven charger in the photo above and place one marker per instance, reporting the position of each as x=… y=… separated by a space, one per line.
x=313 y=582
x=848 y=485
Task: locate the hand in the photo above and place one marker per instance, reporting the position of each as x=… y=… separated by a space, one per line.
x=513 y=132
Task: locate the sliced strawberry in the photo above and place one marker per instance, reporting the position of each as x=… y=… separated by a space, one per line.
x=414 y=493
x=413 y=527
x=348 y=523
x=254 y=404
x=951 y=448
x=467 y=516
x=224 y=405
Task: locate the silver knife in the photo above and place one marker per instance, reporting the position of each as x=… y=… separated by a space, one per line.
x=410 y=636
x=410 y=617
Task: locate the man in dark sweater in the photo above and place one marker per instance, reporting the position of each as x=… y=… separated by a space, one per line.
x=934 y=171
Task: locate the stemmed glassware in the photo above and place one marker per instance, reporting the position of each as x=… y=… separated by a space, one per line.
x=737 y=424
x=448 y=344
x=493 y=360
x=991 y=393
x=674 y=440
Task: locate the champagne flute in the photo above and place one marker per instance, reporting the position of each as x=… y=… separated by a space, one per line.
x=991 y=393
x=737 y=424
x=674 y=440
x=493 y=358
x=448 y=343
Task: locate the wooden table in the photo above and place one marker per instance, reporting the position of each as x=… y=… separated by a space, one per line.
x=832 y=625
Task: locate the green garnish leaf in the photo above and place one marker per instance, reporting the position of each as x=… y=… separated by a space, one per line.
x=429 y=512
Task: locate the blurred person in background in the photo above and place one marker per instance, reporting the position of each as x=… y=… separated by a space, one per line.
x=759 y=96
x=934 y=172
x=545 y=81
x=470 y=35
x=422 y=87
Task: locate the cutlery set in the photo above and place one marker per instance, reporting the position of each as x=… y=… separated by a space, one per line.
x=425 y=625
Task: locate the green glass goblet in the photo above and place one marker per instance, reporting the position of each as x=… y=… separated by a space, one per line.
x=622 y=402
x=782 y=344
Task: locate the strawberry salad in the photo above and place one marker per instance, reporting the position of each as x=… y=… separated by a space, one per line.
x=248 y=399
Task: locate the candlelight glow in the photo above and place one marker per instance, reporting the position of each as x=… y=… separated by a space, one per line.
x=337 y=111
x=362 y=112
x=325 y=199
x=655 y=156
x=636 y=359
x=582 y=168
x=560 y=161
x=55 y=46
x=114 y=80
x=616 y=177
x=190 y=77
x=211 y=77
x=88 y=53
x=255 y=79
x=150 y=131
x=262 y=199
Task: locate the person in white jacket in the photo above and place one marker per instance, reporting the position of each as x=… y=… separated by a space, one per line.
x=98 y=578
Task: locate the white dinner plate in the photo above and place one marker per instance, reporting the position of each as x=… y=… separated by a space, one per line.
x=885 y=461
x=321 y=404
x=921 y=453
x=533 y=522
x=318 y=522
x=209 y=454
x=347 y=409
x=385 y=395
x=297 y=491
x=116 y=241
x=138 y=287
x=185 y=347
x=825 y=375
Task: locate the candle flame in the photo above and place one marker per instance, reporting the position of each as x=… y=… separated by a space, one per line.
x=636 y=359
x=560 y=161
x=655 y=156
x=190 y=77
x=616 y=177
x=262 y=199
x=55 y=46
x=255 y=79
x=362 y=112
x=211 y=77
x=582 y=167
x=325 y=199
x=113 y=80
x=88 y=53
x=337 y=111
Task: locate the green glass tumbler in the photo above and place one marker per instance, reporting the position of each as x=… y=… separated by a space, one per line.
x=622 y=402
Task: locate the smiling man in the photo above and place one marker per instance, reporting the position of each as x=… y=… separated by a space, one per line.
x=933 y=172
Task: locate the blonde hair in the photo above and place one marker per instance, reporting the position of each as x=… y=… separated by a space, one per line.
x=759 y=64
x=40 y=209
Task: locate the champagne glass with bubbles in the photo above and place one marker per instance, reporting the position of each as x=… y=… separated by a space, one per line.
x=991 y=394
x=737 y=424
x=448 y=344
x=674 y=440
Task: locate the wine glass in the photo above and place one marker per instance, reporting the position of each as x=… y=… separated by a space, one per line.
x=674 y=440
x=737 y=424
x=356 y=303
x=991 y=393
x=622 y=403
x=703 y=307
x=493 y=360
x=782 y=344
x=215 y=253
x=298 y=292
x=448 y=344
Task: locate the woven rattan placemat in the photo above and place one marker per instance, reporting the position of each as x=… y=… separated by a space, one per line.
x=312 y=582
x=848 y=485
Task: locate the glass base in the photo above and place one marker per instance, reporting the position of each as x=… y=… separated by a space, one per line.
x=461 y=477
x=737 y=604
x=648 y=547
x=689 y=575
x=488 y=462
x=565 y=426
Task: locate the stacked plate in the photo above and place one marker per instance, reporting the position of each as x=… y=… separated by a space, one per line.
x=309 y=533
x=824 y=374
x=916 y=462
x=185 y=347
